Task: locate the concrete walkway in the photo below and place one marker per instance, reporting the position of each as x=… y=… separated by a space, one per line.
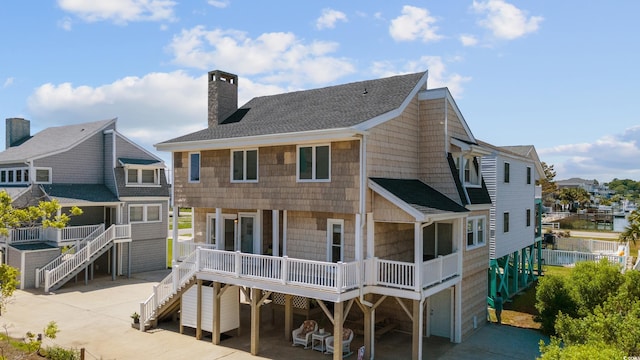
x=96 y=317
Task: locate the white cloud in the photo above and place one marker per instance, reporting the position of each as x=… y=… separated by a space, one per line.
x=329 y=18
x=438 y=75
x=150 y=109
x=65 y=24
x=414 y=23
x=468 y=40
x=505 y=20
x=279 y=57
x=8 y=82
x=608 y=157
x=120 y=11
x=221 y=4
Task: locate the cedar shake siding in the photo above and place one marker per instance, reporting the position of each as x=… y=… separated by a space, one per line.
x=277 y=187
x=433 y=149
x=392 y=146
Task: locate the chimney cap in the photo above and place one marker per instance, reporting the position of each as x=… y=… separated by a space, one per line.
x=219 y=75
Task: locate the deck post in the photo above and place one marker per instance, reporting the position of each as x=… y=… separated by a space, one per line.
x=338 y=320
x=369 y=329
x=199 y=311
x=215 y=334
x=417 y=256
x=288 y=316
x=255 y=321
x=416 y=341
x=113 y=262
x=47 y=280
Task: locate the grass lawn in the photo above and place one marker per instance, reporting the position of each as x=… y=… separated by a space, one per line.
x=520 y=310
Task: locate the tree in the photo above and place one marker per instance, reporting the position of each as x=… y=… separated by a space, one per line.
x=45 y=214
x=606 y=316
x=549 y=187
x=571 y=196
x=632 y=231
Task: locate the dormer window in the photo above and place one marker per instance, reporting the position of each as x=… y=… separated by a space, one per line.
x=140 y=172
x=141 y=177
x=469 y=172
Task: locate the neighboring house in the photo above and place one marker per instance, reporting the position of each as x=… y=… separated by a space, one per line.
x=120 y=187
x=593 y=187
x=367 y=193
x=515 y=227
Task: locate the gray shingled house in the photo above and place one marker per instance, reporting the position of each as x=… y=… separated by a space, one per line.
x=120 y=187
x=366 y=194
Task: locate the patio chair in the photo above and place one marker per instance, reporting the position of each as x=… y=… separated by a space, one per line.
x=347 y=337
x=302 y=335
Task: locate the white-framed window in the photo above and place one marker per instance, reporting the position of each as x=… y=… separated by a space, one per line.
x=335 y=240
x=145 y=213
x=476 y=230
x=528 y=175
x=14 y=176
x=528 y=217
x=142 y=176
x=505 y=222
x=507 y=170
x=43 y=175
x=314 y=163
x=244 y=165
x=194 y=167
x=468 y=171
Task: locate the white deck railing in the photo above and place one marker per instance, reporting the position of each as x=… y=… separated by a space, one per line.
x=82 y=256
x=326 y=276
x=98 y=229
x=167 y=287
x=31 y=234
x=186 y=247
x=336 y=277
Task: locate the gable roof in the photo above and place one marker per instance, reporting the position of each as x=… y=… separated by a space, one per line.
x=333 y=107
x=53 y=140
x=522 y=151
x=420 y=199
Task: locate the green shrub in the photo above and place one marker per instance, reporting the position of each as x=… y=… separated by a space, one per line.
x=59 y=353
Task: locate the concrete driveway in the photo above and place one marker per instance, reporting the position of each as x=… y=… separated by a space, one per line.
x=96 y=317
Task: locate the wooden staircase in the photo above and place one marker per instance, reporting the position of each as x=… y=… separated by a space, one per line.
x=69 y=265
x=166 y=296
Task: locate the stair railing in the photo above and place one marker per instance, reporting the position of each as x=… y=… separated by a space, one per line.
x=169 y=286
x=66 y=254
x=82 y=256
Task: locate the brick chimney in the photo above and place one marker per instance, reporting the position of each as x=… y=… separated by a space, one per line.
x=18 y=130
x=223 y=96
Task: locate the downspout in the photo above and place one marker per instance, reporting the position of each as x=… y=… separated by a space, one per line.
x=363 y=191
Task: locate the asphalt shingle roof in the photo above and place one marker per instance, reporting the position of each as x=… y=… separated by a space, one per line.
x=52 y=140
x=419 y=195
x=332 y=107
x=73 y=193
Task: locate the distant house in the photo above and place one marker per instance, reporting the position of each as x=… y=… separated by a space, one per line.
x=120 y=187
x=593 y=187
x=367 y=193
x=515 y=233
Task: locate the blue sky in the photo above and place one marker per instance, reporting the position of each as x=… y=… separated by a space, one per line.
x=560 y=75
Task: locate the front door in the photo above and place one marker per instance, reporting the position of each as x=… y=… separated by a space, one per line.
x=247 y=230
x=440 y=313
x=229 y=234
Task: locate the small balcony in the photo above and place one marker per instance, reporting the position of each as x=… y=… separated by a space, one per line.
x=324 y=280
x=67 y=235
